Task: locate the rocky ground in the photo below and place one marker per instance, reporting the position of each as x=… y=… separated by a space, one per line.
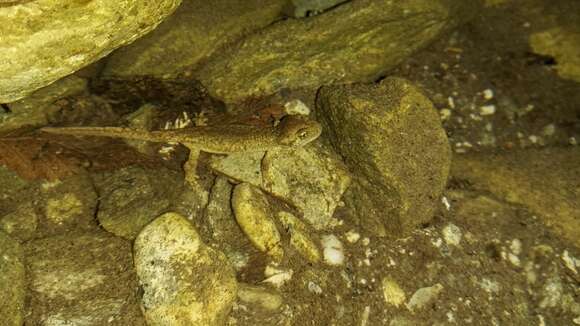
x=443 y=190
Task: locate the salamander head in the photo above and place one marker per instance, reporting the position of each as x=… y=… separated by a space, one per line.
x=298 y=131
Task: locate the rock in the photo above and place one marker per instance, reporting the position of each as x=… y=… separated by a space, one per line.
x=333 y=250
x=555 y=33
x=392 y=139
x=260 y=297
x=184 y=281
x=222 y=224
x=82 y=279
x=307 y=8
x=20 y=223
x=424 y=296
x=544 y=181
x=310 y=178
x=254 y=215
x=242 y=167
x=300 y=237
x=35 y=110
x=51 y=39
x=12 y=281
x=357 y=41
x=452 y=234
x=192 y=33
x=392 y=292
x=132 y=197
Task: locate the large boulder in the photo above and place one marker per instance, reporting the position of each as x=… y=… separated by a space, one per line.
x=192 y=33
x=357 y=41
x=391 y=137
x=45 y=40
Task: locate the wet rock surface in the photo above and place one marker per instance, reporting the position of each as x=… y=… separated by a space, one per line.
x=84 y=278
x=329 y=48
x=47 y=40
x=391 y=138
x=130 y=198
x=195 y=31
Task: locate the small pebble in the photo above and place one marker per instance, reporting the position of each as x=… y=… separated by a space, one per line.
x=487 y=109
x=333 y=250
x=488 y=94
x=452 y=234
x=352 y=236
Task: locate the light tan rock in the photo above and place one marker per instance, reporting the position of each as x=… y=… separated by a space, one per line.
x=300 y=237
x=44 y=40
x=311 y=178
x=191 y=34
x=185 y=282
x=254 y=215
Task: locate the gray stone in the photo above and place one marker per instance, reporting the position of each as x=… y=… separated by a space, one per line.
x=358 y=41
x=310 y=178
x=12 y=281
x=184 y=281
x=82 y=278
x=132 y=197
x=47 y=40
x=192 y=33
x=391 y=138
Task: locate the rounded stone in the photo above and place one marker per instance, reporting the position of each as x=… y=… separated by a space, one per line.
x=184 y=281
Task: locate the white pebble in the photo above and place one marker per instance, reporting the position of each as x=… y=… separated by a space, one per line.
x=451 y=102
x=488 y=94
x=445 y=114
x=487 y=109
x=452 y=234
x=516 y=246
x=514 y=259
x=277 y=276
x=333 y=250
x=314 y=288
x=352 y=236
